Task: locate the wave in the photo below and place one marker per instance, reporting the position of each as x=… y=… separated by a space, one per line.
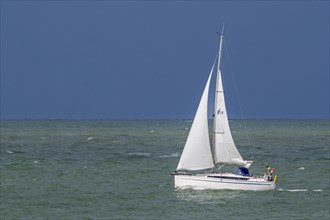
x=143 y=154
x=139 y=154
x=299 y=190
x=171 y=155
x=293 y=190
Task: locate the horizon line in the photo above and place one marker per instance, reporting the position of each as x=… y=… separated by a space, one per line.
x=151 y=119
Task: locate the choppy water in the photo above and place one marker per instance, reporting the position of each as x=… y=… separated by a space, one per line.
x=62 y=169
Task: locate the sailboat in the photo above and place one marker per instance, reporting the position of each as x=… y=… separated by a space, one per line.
x=201 y=158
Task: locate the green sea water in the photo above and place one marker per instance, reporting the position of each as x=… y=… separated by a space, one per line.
x=120 y=169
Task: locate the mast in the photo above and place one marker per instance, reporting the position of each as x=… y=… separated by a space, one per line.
x=220 y=52
x=217 y=91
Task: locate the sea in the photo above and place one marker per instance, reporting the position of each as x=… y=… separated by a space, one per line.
x=120 y=169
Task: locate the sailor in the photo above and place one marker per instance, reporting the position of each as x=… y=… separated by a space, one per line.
x=271 y=174
x=267 y=173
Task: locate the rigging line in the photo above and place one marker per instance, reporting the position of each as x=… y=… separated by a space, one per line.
x=238 y=97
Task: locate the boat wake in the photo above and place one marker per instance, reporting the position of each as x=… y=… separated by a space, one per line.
x=196 y=188
x=300 y=190
x=205 y=196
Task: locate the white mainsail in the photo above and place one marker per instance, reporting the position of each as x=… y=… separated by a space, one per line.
x=197 y=154
x=224 y=149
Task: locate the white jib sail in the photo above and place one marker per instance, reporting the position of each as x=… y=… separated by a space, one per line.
x=197 y=154
x=224 y=149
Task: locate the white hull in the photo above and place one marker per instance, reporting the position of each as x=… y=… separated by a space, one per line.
x=223 y=181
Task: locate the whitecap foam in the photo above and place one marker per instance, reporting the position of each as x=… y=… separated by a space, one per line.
x=171 y=155
x=90 y=138
x=9 y=152
x=297 y=190
x=317 y=190
x=139 y=154
x=301 y=168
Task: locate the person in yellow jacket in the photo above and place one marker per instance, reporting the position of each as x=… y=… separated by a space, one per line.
x=267 y=173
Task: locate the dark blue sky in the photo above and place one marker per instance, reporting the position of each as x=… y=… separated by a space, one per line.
x=112 y=59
